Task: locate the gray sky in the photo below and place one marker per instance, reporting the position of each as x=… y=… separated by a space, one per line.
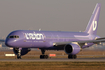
x=54 y=15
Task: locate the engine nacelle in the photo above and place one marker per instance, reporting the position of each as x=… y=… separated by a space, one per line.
x=23 y=51
x=72 y=48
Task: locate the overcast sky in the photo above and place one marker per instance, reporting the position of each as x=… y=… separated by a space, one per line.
x=54 y=15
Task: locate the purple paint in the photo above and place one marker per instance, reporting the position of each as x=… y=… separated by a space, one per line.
x=46 y=39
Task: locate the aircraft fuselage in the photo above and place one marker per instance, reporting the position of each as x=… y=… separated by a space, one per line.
x=43 y=39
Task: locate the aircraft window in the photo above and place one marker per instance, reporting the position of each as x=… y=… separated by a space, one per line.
x=14 y=36
x=11 y=37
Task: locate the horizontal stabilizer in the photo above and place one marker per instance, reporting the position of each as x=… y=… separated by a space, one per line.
x=100 y=38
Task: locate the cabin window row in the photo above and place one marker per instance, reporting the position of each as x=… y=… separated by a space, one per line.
x=14 y=36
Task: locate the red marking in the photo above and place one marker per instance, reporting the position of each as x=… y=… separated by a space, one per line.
x=38 y=48
x=52 y=55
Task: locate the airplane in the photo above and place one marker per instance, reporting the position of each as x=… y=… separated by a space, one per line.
x=71 y=42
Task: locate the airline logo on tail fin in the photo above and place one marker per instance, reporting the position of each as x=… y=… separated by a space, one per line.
x=94 y=25
x=93 y=22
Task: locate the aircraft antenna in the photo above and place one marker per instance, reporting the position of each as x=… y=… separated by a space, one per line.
x=40 y=29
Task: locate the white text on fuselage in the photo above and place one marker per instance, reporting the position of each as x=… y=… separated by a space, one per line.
x=34 y=36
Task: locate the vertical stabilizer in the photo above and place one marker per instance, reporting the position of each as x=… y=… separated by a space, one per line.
x=93 y=22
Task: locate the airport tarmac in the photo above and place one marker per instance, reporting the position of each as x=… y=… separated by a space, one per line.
x=55 y=60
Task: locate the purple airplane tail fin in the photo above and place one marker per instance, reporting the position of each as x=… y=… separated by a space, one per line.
x=93 y=22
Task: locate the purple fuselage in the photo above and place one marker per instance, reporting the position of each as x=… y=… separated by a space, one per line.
x=44 y=39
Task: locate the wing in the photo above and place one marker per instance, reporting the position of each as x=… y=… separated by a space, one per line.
x=2 y=40
x=96 y=41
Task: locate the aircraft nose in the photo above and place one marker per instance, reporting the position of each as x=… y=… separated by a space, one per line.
x=9 y=43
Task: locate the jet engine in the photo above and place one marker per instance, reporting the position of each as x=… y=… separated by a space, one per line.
x=72 y=49
x=23 y=51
